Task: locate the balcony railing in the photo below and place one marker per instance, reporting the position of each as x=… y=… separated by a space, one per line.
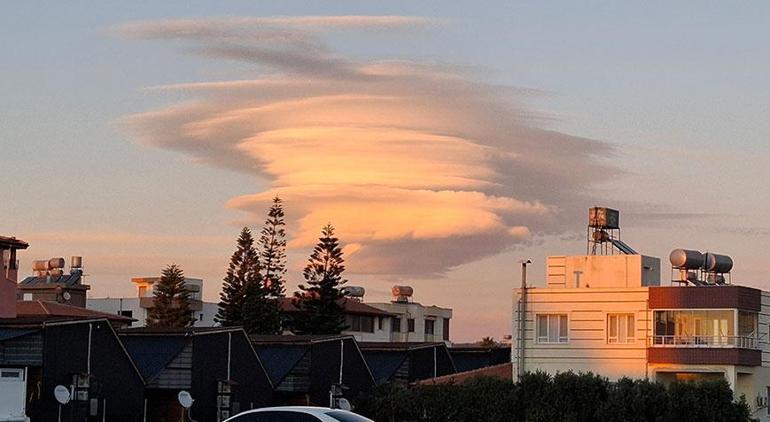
x=740 y=342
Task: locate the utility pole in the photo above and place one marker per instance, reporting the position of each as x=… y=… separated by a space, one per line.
x=521 y=320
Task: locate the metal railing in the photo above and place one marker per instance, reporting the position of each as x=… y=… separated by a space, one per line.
x=741 y=342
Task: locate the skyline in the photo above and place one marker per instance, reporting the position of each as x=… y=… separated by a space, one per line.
x=131 y=201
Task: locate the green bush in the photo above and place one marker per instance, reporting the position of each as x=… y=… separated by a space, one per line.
x=567 y=397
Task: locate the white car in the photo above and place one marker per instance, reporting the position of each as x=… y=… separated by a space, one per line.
x=297 y=414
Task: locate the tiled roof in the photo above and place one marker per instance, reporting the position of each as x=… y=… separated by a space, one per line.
x=374 y=345
x=349 y=305
x=42 y=310
x=13 y=242
x=504 y=371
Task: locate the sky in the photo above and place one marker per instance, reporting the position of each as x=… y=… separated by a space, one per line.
x=445 y=141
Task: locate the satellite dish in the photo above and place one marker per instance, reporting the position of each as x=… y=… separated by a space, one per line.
x=344 y=404
x=185 y=399
x=62 y=394
x=67 y=296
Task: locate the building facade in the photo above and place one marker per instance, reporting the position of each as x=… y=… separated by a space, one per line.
x=138 y=307
x=414 y=322
x=610 y=315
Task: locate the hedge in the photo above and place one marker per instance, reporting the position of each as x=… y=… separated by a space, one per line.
x=566 y=397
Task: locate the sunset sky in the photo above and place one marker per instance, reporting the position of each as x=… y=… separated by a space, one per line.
x=446 y=141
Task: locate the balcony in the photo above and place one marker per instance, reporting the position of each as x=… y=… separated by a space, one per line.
x=740 y=342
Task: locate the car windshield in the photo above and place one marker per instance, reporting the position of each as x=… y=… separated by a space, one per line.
x=346 y=416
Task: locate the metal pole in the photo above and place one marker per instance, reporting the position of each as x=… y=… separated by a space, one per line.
x=522 y=321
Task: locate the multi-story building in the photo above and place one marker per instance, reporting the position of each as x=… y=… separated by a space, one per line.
x=9 y=271
x=138 y=307
x=414 y=322
x=611 y=315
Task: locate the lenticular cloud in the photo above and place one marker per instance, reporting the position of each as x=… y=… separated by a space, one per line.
x=420 y=167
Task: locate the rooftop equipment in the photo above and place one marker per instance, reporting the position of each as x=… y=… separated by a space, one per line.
x=402 y=294
x=603 y=233
x=700 y=269
x=354 y=292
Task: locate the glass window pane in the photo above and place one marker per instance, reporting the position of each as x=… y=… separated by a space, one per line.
x=613 y=326
x=542 y=327
x=631 y=328
x=563 y=328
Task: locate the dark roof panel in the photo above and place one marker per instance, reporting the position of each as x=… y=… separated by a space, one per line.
x=66 y=279
x=384 y=364
x=279 y=360
x=151 y=354
x=11 y=333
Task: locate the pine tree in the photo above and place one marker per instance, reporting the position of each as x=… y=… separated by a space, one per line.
x=242 y=273
x=261 y=313
x=171 y=300
x=319 y=306
x=272 y=244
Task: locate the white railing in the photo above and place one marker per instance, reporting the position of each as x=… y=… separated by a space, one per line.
x=741 y=342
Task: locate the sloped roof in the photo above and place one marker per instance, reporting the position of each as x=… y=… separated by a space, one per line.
x=280 y=359
x=503 y=371
x=40 y=310
x=404 y=346
x=384 y=364
x=11 y=333
x=177 y=331
x=350 y=306
x=13 y=242
x=257 y=340
x=152 y=353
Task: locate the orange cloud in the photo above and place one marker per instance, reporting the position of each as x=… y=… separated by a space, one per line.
x=419 y=166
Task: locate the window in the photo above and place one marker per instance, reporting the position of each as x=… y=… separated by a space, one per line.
x=127 y=314
x=552 y=328
x=395 y=325
x=430 y=326
x=694 y=327
x=446 y=329
x=410 y=325
x=620 y=328
x=379 y=323
x=361 y=323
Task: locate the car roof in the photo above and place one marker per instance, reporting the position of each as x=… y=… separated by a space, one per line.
x=312 y=410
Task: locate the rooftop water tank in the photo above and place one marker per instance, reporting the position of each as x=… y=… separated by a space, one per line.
x=686 y=259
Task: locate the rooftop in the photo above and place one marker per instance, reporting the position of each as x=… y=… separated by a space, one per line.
x=68 y=280
x=12 y=242
x=350 y=306
x=38 y=311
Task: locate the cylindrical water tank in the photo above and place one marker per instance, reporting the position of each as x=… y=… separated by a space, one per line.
x=405 y=291
x=76 y=262
x=40 y=265
x=686 y=259
x=715 y=263
x=354 y=291
x=56 y=263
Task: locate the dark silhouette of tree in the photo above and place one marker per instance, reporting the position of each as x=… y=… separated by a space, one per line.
x=171 y=300
x=242 y=273
x=272 y=246
x=261 y=313
x=489 y=342
x=318 y=301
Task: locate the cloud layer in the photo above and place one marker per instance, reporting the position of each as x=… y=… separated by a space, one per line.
x=421 y=167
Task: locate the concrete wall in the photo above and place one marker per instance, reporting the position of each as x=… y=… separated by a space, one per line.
x=419 y=313
x=603 y=271
x=587 y=348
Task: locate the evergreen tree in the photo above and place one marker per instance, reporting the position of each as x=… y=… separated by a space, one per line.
x=272 y=244
x=242 y=273
x=261 y=313
x=318 y=302
x=171 y=300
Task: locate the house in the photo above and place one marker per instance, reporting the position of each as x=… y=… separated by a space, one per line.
x=608 y=312
x=305 y=369
x=84 y=356
x=138 y=307
x=406 y=363
x=412 y=321
x=38 y=311
x=217 y=366
x=51 y=283
x=364 y=322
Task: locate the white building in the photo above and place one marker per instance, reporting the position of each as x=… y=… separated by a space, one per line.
x=138 y=307
x=414 y=322
x=609 y=314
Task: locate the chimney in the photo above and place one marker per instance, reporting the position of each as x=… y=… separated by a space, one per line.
x=9 y=271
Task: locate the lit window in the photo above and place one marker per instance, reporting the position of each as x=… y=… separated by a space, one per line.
x=552 y=328
x=620 y=328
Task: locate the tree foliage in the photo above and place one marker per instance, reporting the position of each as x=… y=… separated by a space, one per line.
x=242 y=273
x=272 y=250
x=318 y=302
x=171 y=300
x=564 y=397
